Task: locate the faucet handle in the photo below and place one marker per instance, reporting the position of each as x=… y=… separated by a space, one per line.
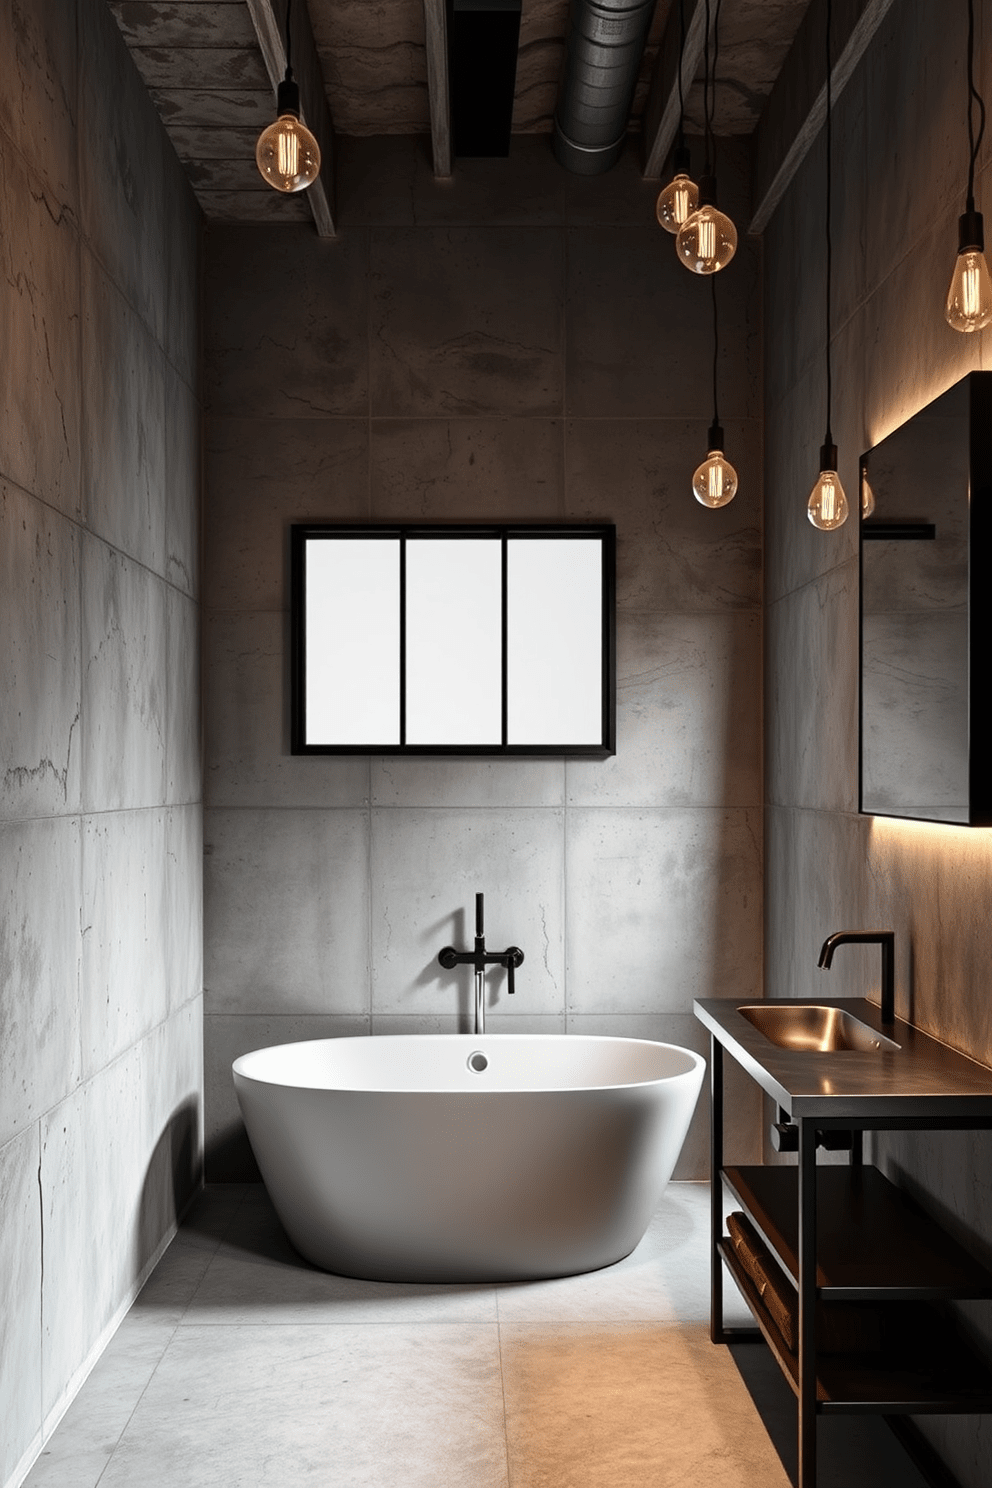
x=514 y=958
x=448 y=957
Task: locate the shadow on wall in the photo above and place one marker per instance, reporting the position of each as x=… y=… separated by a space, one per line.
x=171 y=1180
x=229 y=1158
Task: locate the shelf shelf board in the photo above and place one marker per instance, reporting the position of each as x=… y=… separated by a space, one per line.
x=874 y=1242
x=926 y=1367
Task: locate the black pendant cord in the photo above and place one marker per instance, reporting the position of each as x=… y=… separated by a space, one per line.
x=716 y=348
x=289 y=40
x=681 y=138
x=707 y=162
x=716 y=53
x=974 y=145
x=829 y=266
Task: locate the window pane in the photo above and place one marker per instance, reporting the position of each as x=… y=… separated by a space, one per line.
x=352 y=684
x=453 y=641
x=555 y=641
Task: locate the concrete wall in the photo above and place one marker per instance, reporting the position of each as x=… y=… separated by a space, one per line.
x=100 y=821
x=901 y=161
x=518 y=344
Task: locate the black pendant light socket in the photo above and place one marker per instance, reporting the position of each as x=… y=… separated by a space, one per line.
x=288 y=95
x=680 y=160
x=707 y=191
x=828 y=457
x=971 y=232
x=715 y=437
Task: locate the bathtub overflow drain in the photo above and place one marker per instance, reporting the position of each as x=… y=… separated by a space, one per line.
x=477 y=1062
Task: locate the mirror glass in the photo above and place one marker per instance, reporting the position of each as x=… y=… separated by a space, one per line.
x=430 y=640
x=920 y=728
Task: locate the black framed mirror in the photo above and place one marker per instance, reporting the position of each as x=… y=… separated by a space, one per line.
x=426 y=639
x=926 y=613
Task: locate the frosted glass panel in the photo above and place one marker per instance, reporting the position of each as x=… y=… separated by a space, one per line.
x=554 y=641
x=352 y=684
x=454 y=641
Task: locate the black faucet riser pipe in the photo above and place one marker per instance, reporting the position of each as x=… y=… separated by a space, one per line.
x=887 y=941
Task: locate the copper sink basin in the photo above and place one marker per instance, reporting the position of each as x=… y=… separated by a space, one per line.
x=814 y=1028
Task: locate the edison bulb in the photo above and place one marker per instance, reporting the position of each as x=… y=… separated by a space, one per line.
x=969 y=299
x=287 y=154
x=707 y=240
x=715 y=481
x=827 y=506
x=676 y=201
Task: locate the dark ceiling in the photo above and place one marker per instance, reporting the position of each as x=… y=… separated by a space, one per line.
x=209 y=65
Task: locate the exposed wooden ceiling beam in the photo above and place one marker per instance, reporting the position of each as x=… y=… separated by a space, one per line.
x=797 y=106
x=437 y=85
x=314 y=111
x=661 y=115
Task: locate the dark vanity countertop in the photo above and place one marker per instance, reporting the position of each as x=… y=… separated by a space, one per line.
x=922 y=1078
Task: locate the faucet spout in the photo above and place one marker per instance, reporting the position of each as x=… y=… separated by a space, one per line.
x=884 y=938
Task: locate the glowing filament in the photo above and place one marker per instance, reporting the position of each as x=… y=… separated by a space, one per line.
x=289 y=154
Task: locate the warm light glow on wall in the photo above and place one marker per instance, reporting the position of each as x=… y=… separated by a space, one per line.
x=885 y=421
x=944 y=837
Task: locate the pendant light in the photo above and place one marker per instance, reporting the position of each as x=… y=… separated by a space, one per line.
x=715 y=481
x=287 y=154
x=969 y=299
x=827 y=505
x=707 y=239
x=680 y=198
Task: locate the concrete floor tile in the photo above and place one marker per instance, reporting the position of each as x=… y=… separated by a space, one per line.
x=664 y=1279
x=170 y=1288
x=282 y=1407
x=610 y=1408
x=79 y=1451
x=589 y=1382
x=257 y=1277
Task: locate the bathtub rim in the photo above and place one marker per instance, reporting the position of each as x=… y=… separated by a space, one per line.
x=696 y=1063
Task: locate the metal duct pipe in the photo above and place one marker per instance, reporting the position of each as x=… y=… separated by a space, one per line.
x=603 y=53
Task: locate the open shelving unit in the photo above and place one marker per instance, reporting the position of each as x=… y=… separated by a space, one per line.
x=843 y=1234
x=876 y=1246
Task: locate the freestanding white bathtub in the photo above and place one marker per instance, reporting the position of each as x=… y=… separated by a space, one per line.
x=465 y=1157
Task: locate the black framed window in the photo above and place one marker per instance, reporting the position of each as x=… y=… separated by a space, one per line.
x=453 y=640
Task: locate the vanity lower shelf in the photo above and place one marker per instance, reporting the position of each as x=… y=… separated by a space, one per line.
x=876 y=1247
x=927 y=1368
x=874 y=1242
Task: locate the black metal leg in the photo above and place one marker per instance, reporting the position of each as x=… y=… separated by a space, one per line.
x=807 y=1305
x=857 y=1149
x=716 y=1190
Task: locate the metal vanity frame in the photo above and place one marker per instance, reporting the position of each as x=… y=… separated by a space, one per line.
x=959 y=1275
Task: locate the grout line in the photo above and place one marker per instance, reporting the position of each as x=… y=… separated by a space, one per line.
x=502 y=1386
x=131 y=1414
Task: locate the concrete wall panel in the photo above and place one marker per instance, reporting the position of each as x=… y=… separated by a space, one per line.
x=100 y=913
x=40 y=742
